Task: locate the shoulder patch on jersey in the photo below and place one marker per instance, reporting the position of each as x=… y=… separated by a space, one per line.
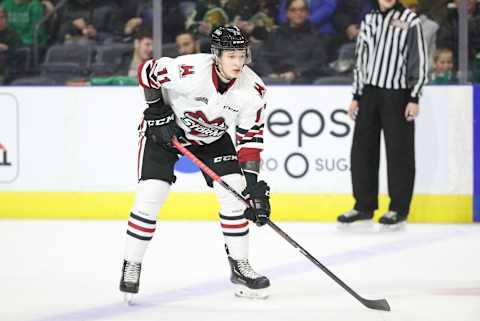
x=186 y=70
x=260 y=89
x=397 y=23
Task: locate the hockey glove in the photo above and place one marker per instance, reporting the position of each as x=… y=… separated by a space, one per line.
x=161 y=126
x=258 y=195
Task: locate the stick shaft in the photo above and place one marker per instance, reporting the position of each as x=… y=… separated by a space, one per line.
x=368 y=303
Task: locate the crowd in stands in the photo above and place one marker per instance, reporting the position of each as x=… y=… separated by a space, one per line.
x=100 y=42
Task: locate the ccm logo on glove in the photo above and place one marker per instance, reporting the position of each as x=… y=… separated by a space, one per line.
x=161 y=121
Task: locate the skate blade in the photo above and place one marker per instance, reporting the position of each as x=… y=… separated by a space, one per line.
x=393 y=227
x=128 y=298
x=363 y=225
x=254 y=294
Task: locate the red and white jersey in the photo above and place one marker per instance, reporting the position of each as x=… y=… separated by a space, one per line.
x=189 y=85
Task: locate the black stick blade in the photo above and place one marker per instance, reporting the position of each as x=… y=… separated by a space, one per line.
x=381 y=304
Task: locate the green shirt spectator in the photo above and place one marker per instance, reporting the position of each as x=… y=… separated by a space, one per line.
x=9 y=39
x=23 y=16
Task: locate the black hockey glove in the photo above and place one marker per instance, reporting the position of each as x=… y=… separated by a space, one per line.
x=161 y=126
x=259 y=196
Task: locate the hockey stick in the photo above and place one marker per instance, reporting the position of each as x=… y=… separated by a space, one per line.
x=380 y=304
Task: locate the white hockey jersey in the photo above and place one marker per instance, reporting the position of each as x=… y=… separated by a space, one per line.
x=189 y=85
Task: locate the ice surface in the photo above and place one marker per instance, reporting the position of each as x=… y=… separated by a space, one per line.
x=69 y=271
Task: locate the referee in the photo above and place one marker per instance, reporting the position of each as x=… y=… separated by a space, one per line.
x=390 y=72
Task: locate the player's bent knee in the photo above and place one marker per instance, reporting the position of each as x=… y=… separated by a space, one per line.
x=229 y=204
x=149 y=198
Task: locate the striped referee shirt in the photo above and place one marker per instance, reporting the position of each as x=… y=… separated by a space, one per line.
x=391 y=52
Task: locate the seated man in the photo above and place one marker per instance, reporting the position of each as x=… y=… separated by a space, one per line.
x=293 y=53
x=187 y=43
x=9 y=41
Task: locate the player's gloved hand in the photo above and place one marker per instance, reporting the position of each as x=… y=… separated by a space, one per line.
x=161 y=126
x=259 y=196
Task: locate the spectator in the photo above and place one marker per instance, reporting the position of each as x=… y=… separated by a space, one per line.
x=173 y=20
x=127 y=72
x=293 y=52
x=348 y=16
x=9 y=41
x=187 y=43
x=208 y=14
x=447 y=36
x=434 y=9
x=89 y=21
x=443 y=67
x=346 y=22
x=321 y=13
x=254 y=18
x=23 y=16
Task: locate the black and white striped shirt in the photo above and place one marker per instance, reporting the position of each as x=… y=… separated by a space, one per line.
x=391 y=52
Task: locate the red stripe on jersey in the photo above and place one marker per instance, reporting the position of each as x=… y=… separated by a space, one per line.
x=234 y=225
x=248 y=154
x=140 y=228
x=139 y=74
x=254 y=133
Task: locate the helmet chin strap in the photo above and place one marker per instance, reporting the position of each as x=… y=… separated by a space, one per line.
x=221 y=73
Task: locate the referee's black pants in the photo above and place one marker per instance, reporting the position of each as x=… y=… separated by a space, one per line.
x=383 y=109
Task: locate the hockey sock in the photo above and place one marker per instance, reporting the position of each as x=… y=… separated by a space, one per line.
x=233 y=223
x=150 y=196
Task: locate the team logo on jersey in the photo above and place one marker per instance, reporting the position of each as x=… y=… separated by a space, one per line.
x=260 y=89
x=397 y=23
x=201 y=126
x=185 y=70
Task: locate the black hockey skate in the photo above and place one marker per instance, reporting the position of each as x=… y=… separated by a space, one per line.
x=392 y=221
x=130 y=280
x=354 y=218
x=250 y=284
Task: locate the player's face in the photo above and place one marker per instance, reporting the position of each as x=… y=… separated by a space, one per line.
x=232 y=62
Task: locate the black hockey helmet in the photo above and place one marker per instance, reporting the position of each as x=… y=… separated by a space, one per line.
x=228 y=37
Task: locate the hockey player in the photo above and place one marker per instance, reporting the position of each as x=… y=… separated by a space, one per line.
x=197 y=98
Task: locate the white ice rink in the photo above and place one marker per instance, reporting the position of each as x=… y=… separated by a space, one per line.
x=69 y=271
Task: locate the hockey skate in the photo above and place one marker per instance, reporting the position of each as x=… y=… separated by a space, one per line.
x=249 y=284
x=130 y=280
x=392 y=221
x=358 y=220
